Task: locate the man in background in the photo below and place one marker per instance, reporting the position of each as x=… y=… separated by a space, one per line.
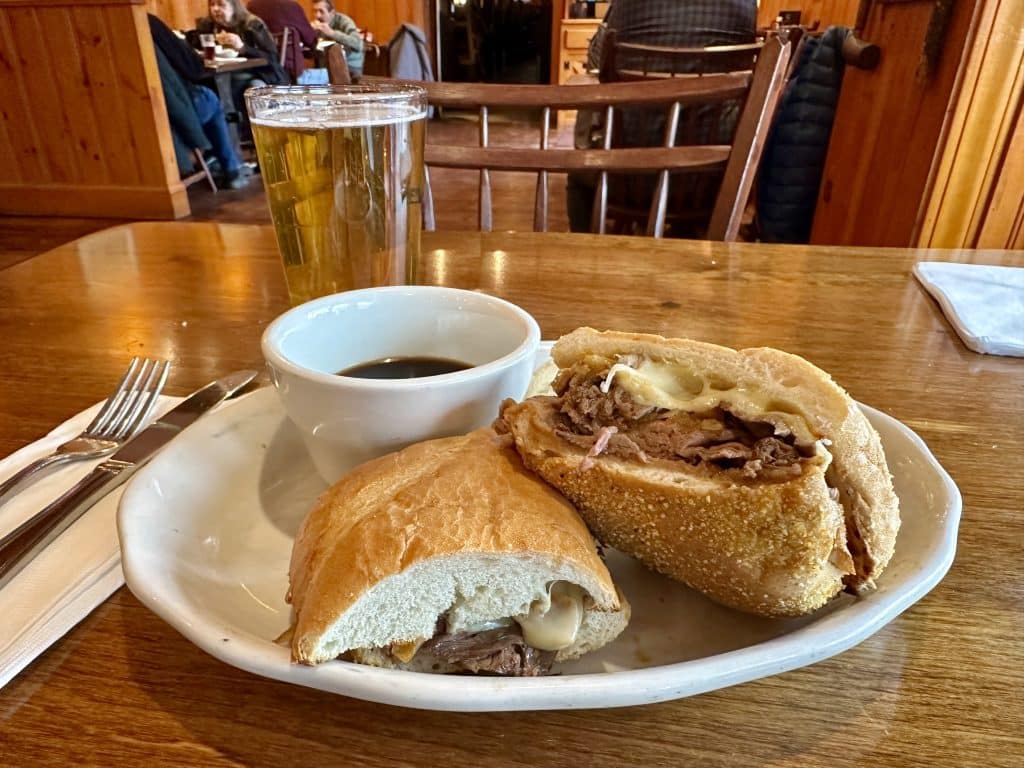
x=337 y=27
x=677 y=24
x=672 y=23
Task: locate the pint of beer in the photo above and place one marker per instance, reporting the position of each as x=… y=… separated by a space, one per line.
x=209 y=43
x=343 y=171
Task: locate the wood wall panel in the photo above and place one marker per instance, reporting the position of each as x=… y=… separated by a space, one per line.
x=85 y=128
x=104 y=92
x=178 y=14
x=826 y=12
x=972 y=190
x=22 y=160
x=43 y=105
x=380 y=18
x=1003 y=226
x=887 y=128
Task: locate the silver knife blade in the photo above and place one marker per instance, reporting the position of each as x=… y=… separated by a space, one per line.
x=19 y=546
x=165 y=428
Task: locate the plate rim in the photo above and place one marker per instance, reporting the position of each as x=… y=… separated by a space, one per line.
x=832 y=633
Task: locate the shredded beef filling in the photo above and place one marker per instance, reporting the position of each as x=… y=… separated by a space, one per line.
x=501 y=651
x=614 y=423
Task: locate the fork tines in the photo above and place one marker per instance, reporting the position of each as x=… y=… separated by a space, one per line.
x=130 y=405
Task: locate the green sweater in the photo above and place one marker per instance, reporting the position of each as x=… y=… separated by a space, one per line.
x=345 y=32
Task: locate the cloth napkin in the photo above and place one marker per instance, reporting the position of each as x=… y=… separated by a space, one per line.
x=984 y=304
x=82 y=568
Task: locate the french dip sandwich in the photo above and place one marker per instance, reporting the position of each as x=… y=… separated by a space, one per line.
x=749 y=475
x=449 y=556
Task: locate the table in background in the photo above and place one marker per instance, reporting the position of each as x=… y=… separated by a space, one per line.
x=219 y=71
x=940 y=685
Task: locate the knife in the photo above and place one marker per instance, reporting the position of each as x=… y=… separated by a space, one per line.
x=36 y=533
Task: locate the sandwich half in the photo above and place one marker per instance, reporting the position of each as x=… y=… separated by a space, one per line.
x=749 y=475
x=449 y=556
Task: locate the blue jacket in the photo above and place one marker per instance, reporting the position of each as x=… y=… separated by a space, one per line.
x=794 y=155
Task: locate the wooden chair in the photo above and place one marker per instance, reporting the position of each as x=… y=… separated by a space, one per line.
x=202 y=173
x=337 y=68
x=693 y=195
x=289 y=52
x=281 y=40
x=759 y=89
x=633 y=61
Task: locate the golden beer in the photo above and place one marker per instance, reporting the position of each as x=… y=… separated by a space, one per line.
x=343 y=172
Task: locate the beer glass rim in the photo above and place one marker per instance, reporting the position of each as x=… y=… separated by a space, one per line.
x=347 y=93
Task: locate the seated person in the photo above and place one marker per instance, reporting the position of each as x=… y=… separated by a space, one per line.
x=691 y=24
x=174 y=57
x=241 y=31
x=339 y=28
x=279 y=14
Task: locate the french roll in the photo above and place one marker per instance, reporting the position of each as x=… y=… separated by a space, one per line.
x=449 y=556
x=749 y=475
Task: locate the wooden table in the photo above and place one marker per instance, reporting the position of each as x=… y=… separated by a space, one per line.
x=939 y=686
x=220 y=71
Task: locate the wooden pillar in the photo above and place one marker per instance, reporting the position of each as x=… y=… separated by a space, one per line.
x=83 y=125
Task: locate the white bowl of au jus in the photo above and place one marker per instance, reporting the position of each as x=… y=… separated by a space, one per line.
x=367 y=372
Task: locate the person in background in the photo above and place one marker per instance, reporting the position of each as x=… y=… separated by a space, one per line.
x=188 y=66
x=676 y=24
x=241 y=31
x=339 y=28
x=279 y=14
x=673 y=23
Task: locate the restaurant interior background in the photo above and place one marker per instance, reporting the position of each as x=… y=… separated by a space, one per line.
x=927 y=148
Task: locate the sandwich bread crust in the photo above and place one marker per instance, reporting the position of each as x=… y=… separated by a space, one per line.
x=453 y=528
x=777 y=544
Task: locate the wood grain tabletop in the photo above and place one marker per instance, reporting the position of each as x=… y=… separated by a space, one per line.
x=939 y=685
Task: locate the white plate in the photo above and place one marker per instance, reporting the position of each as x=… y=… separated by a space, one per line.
x=206 y=534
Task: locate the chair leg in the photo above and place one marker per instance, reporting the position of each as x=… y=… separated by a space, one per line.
x=197 y=153
x=428 y=202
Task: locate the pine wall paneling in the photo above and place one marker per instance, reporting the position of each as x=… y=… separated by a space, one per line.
x=83 y=126
x=380 y=18
x=978 y=192
x=887 y=128
x=825 y=12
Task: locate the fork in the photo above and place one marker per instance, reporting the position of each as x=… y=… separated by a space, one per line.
x=118 y=420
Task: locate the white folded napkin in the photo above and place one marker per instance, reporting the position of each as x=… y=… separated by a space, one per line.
x=66 y=581
x=985 y=304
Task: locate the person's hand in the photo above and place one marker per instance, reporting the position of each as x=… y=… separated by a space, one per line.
x=323 y=29
x=230 y=40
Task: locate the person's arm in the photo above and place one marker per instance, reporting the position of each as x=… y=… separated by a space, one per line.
x=204 y=26
x=297 y=20
x=347 y=34
x=595 y=50
x=258 y=42
x=179 y=55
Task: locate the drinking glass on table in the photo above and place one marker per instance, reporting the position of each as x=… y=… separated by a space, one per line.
x=343 y=170
x=209 y=45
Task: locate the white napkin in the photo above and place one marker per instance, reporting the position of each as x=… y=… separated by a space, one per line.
x=66 y=581
x=984 y=304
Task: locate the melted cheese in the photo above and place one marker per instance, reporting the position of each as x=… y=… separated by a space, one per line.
x=405 y=651
x=553 y=622
x=678 y=388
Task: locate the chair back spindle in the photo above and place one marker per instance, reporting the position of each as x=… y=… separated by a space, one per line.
x=679 y=96
x=540 y=197
x=484 y=199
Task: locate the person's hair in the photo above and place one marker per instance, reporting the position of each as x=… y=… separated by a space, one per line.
x=238 y=12
x=328 y=3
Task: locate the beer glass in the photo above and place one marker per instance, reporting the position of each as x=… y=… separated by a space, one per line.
x=343 y=172
x=209 y=43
